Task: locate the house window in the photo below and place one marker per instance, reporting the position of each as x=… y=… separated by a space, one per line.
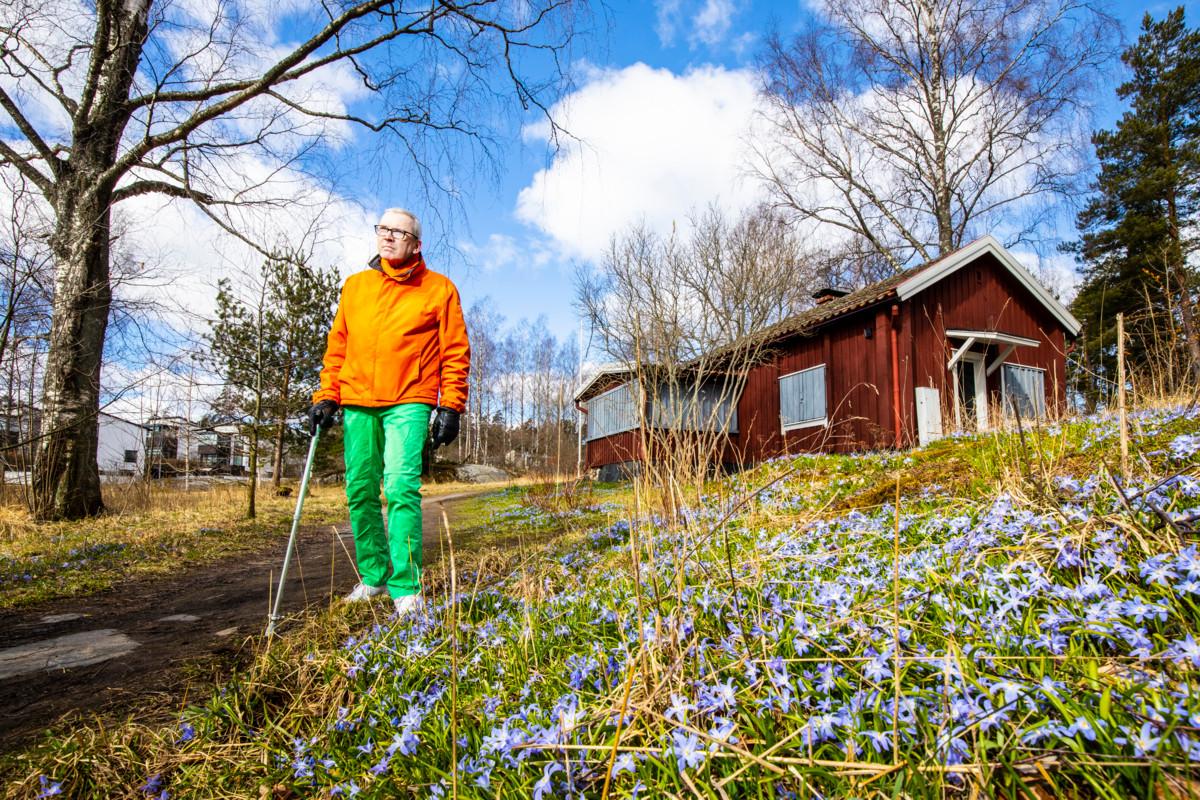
x=612 y=412
x=1024 y=390
x=802 y=398
x=683 y=407
x=131 y=456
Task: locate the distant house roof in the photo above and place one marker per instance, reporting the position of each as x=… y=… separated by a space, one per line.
x=607 y=373
x=122 y=419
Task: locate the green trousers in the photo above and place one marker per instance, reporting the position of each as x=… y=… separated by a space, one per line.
x=385 y=444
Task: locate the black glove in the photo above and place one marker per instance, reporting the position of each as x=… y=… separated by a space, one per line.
x=321 y=414
x=445 y=426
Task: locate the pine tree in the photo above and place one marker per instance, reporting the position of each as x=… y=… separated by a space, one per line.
x=268 y=342
x=1141 y=225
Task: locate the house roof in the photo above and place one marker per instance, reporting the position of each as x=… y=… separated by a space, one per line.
x=907 y=284
x=120 y=419
x=605 y=372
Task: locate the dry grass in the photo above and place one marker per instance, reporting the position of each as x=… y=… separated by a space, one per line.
x=147 y=530
x=149 y=527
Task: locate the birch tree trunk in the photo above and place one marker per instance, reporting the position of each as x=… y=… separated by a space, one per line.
x=66 y=478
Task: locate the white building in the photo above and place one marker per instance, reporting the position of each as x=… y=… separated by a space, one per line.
x=121 y=447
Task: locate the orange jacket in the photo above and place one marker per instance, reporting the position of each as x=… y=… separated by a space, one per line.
x=398 y=337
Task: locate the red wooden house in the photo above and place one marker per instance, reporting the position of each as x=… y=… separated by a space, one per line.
x=962 y=343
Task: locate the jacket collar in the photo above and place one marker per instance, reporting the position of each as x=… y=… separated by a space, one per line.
x=401 y=272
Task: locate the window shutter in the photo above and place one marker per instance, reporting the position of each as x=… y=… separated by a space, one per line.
x=802 y=397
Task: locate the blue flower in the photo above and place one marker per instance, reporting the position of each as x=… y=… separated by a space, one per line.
x=1083 y=727
x=544 y=785
x=881 y=742
x=678 y=708
x=1143 y=742
x=624 y=763
x=718 y=697
x=877 y=669
x=1158 y=570
x=1186 y=649
x=49 y=788
x=186 y=733
x=1190 y=746
x=1184 y=446
x=689 y=753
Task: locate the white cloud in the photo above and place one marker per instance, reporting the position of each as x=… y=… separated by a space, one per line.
x=666 y=20
x=653 y=145
x=188 y=252
x=501 y=252
x=713 y=21
x=498 y=252
x=707 y=23
x=1056 y=272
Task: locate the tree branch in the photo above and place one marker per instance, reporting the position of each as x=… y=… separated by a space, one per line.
x=25 y=167
x=161 y=187
x=29 y=132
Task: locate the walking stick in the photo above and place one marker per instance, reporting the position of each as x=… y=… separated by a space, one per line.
x=287 y=557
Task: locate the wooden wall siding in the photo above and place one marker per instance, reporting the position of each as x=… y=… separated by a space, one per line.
x=615 y=449
x=858 y=391
x=982 y=296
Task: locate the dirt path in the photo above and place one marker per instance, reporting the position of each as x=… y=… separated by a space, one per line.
x=153 y=637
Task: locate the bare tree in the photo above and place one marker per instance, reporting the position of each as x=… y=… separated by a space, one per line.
x=747 y=272
x=120 y=99
x=911 y=125
x=676 y=298
x=484 y=323
x=680 y=313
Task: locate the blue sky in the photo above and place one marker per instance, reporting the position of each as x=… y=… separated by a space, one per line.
x=521 y=253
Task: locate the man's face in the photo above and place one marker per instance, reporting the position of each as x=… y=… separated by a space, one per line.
x=397 y=247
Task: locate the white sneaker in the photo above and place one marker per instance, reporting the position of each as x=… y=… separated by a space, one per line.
x=364 y=592
x=408 y=605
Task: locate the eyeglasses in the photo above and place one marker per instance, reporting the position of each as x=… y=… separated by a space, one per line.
x=384 y=230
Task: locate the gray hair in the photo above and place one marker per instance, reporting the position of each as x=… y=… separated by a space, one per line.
x=406 y=213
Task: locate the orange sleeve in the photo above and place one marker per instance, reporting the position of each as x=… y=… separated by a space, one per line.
x=335 y=356
x=455 y=351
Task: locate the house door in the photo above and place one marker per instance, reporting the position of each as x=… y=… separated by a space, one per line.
x=971 y=393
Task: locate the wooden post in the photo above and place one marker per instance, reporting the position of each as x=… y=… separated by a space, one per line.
x=1121 y=398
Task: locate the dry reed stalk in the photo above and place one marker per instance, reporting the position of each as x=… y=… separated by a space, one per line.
x=452 y=610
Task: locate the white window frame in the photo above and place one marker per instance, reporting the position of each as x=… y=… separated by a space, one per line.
x=811 y=423
x=982 y=412
x=635 y=391
x=1004 y=388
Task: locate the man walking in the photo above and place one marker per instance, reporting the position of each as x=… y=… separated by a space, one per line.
x=398 y=349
